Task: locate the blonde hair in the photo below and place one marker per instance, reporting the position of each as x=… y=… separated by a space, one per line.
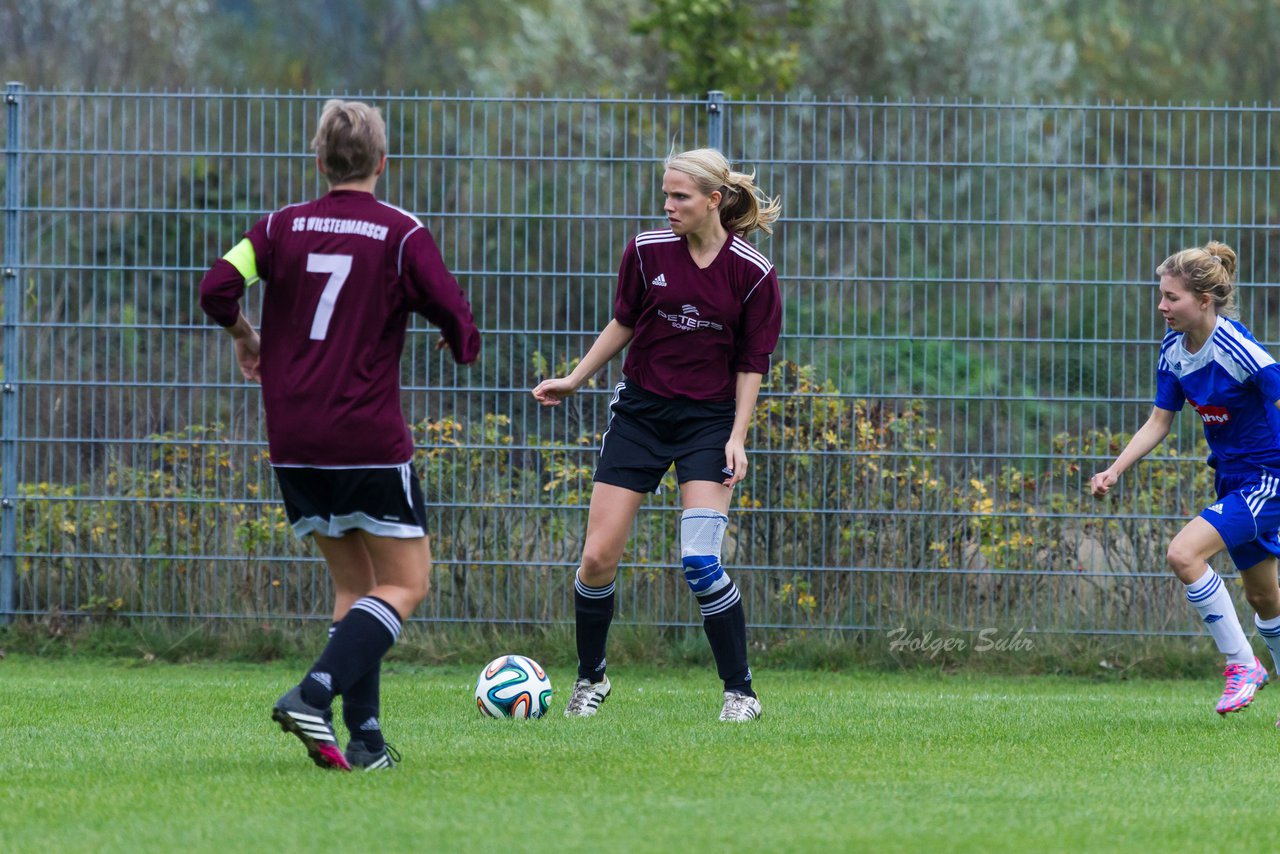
x=1208 y=269
x=744 y=207
x=350 y=141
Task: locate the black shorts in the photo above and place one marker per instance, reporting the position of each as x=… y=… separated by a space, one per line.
x=648 y=433
x=383 y=501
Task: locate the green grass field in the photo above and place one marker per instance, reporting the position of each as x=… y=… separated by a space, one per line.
x=103 y=756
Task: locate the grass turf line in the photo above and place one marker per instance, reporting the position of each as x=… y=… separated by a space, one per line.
x=99 y=756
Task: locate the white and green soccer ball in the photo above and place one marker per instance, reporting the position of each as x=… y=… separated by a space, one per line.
x=513 y=686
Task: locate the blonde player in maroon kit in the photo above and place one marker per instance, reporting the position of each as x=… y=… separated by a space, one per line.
x=700 y=308
x=342 y=274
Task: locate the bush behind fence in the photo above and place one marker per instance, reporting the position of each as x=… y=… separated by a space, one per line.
x=963 y=546
x=969 y=333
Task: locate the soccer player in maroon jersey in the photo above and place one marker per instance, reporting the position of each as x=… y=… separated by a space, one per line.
x=700 y=308
x=341 y=276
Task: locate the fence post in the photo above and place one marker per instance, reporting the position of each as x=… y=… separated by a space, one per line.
x=10 y=283
x=715 y=120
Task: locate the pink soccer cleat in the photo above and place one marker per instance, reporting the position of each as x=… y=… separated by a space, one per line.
x=1243 y=681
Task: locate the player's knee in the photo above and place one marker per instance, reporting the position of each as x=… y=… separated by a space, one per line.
x=415 y=589
x=598 y=567
x=1263 y=601
x=1184 y=562
x=704 y=574
x=410 y=598
x=701 y=537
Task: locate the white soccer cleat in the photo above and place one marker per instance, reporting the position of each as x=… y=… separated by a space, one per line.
x=739 y=707
x=587 y=697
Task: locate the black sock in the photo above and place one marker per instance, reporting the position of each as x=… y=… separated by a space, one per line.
x=593 y=612
x=356 y=647
x=727 y=633
x=360 y=705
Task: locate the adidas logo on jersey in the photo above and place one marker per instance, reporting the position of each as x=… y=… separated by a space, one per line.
x=1216 y=508
x=660 y=281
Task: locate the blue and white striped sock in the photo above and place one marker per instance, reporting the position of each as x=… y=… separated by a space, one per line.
x=1211 y=600
x=1270 y=631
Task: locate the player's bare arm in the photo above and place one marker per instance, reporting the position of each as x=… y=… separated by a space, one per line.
x=1149 y=435
x=608 y=344
x=735 y=450
x=248 y=348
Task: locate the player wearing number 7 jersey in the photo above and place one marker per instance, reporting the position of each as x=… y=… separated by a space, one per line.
x=341 y=276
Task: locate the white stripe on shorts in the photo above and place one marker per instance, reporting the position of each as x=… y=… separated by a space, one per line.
x=1265 y=490
x=617 y=393
x=406 y=477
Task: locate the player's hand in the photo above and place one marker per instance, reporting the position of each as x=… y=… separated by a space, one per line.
x=248 y=356
x=735 y=458
x=1100 y=484
x=551 y=392
x=441 y=343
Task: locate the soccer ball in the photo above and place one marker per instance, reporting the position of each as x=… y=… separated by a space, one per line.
x=513 y=686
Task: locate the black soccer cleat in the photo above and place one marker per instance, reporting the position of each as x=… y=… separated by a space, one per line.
x=360 y=756
x=312 y=727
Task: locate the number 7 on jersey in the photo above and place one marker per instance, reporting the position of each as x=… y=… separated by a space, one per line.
x=338 y=267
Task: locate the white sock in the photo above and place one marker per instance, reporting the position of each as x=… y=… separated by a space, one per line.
x=1270 y=631
x=1210 y=598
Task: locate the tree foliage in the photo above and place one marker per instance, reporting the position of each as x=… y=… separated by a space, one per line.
x=1149 y=50
x=903 y=49
x=1002 y=50
x=104 y=44
x=737 y=46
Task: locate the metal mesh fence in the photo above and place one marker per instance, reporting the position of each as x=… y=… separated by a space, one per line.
x=969 y=334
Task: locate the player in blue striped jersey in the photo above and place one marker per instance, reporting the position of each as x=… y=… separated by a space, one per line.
x=1210 y=360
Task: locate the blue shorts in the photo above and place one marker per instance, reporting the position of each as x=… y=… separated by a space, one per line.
x=1247 y=515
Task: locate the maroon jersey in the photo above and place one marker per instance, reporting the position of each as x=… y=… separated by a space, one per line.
x=696 y=329
x=342 y=273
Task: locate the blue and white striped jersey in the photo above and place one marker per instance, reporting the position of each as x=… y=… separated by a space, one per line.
x=1233 y=383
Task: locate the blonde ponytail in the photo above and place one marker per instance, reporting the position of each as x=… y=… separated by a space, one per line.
x=744 y=207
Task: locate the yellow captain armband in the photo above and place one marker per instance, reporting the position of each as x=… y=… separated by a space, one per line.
x=242 y=258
